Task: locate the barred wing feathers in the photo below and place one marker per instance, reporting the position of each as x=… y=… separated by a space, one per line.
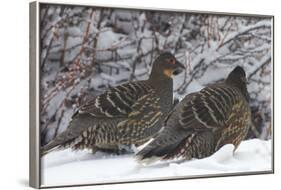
x=117 y=101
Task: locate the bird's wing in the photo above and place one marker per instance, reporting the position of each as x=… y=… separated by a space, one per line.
x=145 y=114
x=117 y=101
x=209 y=108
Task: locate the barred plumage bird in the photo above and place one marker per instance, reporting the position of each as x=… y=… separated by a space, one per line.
x=203 y=122
x=125 y=115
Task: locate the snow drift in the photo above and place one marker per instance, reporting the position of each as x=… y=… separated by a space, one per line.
x=82 y=167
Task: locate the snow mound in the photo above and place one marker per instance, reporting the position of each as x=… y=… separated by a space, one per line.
x=68 y=168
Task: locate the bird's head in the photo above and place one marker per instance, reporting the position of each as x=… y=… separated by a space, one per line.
x=237 y=78
x=166 y=65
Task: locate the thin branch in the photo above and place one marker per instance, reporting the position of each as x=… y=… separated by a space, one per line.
x=245 y=31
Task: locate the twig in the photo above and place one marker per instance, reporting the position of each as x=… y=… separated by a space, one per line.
x=246 y=30
x=267 y=61
x=96 y=37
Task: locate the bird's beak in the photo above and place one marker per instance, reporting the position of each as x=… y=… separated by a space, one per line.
x=179 y=67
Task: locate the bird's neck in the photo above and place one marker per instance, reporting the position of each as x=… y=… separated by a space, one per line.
x=160 y=80
x=163 y=85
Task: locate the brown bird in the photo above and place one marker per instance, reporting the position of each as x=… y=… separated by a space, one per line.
x=125 y=115
x=203 y=122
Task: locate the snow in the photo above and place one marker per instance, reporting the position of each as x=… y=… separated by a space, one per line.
x=105 y=41
x=82 y=167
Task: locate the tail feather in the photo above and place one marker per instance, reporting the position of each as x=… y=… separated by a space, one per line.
x=55 y=143
x=47 y=149
x=152 y=154
x=75 y=129
x=157 y=151
x=161 y=147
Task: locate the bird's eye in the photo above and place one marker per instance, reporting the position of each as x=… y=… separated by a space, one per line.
x=172 y=61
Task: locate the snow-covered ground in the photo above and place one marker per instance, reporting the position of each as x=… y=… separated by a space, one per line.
x=68 y=168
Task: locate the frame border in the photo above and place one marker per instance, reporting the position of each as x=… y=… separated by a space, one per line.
x=34 y=84
x=34 y=93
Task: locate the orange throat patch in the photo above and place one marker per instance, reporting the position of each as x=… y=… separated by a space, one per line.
x=168 y=72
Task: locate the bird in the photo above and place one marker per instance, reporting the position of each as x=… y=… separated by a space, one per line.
x=123 y=116
x=203 y=122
